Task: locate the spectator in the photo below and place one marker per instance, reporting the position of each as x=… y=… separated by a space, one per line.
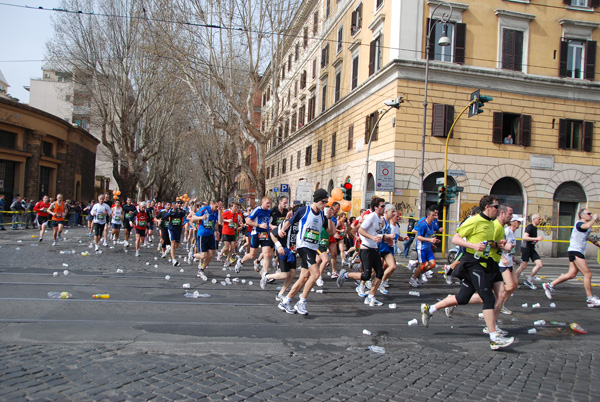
x=2 y=207
x=18 y=209
x=28 y=208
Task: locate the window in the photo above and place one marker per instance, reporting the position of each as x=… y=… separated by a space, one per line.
x=316 y=23
x=296 y=89
x=268 y=172
x=47 y=149
x=290 y=62
x=512 y=50
x=312 y=107
x=308 y=155
x=340 y=39
x=291 y=162
x=369 y=124
x=283 y=72
x=582 y=3
x=442 y=119
x=510 y=128
x=299 y=154
x=378 y=4
x=350 y=137
x=325 y=56
x=319 y=150
x=297 y=52
x=327 y=8
x=575 y=134
x=8 y=139
x=324 y=95
x=283 y=166
x=577 y=59
x=375 y=55
x=354 y=78
x=301 y=113
x=314 y=68
x=68 y=98
x=303 y=80
x=338 y=84
x=278 y=169
x=294 y=121
x=356 y=20
x=455 y=53
x=305 y=37
x=333 y=141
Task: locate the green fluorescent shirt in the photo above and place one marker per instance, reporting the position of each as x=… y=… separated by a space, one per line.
x=477 y=229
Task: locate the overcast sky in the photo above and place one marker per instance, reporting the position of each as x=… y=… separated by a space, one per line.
x=24 y=33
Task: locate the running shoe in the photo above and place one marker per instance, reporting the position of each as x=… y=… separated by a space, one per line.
x=414 y=282
x=340 y=279
x=238 y=266
x=104 y=243
x=54 y=243
x=548 y=289
x=263 y=281
x=96 y=247
x=319 y=281
x=219 y=258
x=137 y=253
x=40 y=239
x=429 y=274
x=201 y=275
x=362 y=292
x=382 y=289
x=372 y=301
x=284 y=305
x=226 y=265
x=449 y=311
x=501 y=342
x=279 y=297
x=593 y=302
x=506 y=311
x=368 y=284
x=385 y=284
x=447 y=275
x=256 y=265
x=423 y=278
x=529 y=284
x=334 y=275
x=126 y=243
x=176 y=263
x=425 y=314
x=300 y=307
x=499 y=331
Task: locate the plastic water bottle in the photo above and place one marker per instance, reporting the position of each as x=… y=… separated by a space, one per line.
x=478 y=254
x=539 y=323
x=414 y=293
x=377 y=349
x=59 y=295
x=101 y=296
x=532 y=331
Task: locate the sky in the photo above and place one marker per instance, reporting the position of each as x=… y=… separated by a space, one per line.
x=24 y=33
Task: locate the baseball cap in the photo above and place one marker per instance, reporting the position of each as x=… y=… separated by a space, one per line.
x=517 y=218
x=320 y=195
x=296 y=202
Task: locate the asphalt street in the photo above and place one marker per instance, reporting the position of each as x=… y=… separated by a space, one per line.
x=150 y=342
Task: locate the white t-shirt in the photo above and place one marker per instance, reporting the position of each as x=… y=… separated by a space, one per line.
x=100 y=212
x=117 y=216
x=510 y=237
x=373 y=225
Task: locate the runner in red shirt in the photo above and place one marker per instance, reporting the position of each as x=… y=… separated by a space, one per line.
x=41 y=208
x=232 y=223
x=140 y=225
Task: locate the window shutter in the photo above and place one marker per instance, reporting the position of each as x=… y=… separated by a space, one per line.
x=372 y=49
x=460 y=41
x=518 y=51
x=373 y=121
x=508 y=49
x=562 y=134
x=367 y=128
x=567 y=2
x=438 y=120
x=562 y=63
x=497 y=128
x=525 y=131
x=449 y=115
x=350 y=137
x=431 y=43
x=588 y=130
x=359 y=25
x=590 y=60
x=352 y=19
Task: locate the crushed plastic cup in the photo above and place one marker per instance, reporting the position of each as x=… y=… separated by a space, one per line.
x=539 y=323
x=250 y=283
x=155 y=258
x=229 y=275
x=85 y=253
x=223 y=283
x=319 y=291
x=55 y=274
x=147 y=262
x=414 y=293
x=214 y=281
x=155 y=265
x=167 y=277
x=553 y=305
x=536 y=305
x=413 y=322
x=17 y=248
x=377 y=349
x=65 y=264
x=186 y=285
x=181 y=270
x=119 y=271
x=392 y=305
x=532 y=331
x=195 y=294
x=366 y=332
x=524 y=305
x=66 y=272
x=243 y=281
x=19 y=241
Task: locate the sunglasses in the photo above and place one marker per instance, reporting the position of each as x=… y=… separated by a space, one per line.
x=495 y=206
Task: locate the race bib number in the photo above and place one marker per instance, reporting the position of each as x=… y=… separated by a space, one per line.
x=141 y=222
x=209 y=224
x=233 y=225
x=263 y=236
x=60 y=215
x=324 y=243
x=100 y=217
x=311 y=236
x=117 y=219
x=176 y=221
x=128 y=216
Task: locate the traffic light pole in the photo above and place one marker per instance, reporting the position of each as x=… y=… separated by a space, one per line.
x=445 y=208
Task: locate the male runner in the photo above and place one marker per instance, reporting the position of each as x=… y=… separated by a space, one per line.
x=528 y=252
x=41 y=208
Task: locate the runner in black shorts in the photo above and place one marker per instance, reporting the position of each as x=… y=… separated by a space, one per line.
x=287 y=261
x=528 y=252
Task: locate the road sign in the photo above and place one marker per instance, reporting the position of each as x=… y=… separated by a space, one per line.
x=276 y=189
x=439 y=180
x=241 y=200
x=456 y=173
x=285 y=188
x=304 y=191
x=386 y=173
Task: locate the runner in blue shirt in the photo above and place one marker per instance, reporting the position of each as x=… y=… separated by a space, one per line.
x=425 y=238
x=209 y=217
x=259 y=220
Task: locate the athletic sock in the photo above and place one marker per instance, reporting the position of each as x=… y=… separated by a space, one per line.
x=493 y=336
x=530 y=279
x=432 y=309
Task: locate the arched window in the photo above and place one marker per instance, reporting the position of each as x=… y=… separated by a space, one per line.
x=509 y=191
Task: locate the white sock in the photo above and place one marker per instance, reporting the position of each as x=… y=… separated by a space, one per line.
x=530 y=278
x=493 y=336
x=432 y=309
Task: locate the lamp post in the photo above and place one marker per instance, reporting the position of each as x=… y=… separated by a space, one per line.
x=393 y=104
x=444 y=41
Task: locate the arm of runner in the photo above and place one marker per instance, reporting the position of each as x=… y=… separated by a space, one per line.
x=363 y=232
x=459 y=241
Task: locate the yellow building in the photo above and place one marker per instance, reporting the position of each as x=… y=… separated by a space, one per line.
x=532 y=147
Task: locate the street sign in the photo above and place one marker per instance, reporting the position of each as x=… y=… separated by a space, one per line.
x=285 y=188
x=276 y=189
x=439 y=180
x=241 y=200
x=456 y=173
x=386 y=173
x=304 y=191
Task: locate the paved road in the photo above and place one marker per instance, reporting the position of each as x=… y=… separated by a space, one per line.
x=149 y=342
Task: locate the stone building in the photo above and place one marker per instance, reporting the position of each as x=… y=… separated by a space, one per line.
x=43 y=154
x=344 y=58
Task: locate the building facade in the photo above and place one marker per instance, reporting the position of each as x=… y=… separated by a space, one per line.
x=532 y=147
x=43 y=154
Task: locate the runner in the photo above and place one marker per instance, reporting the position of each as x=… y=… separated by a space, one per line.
x=41 y=208
x=259 y=220
x=323 y=254
x=333 y=240
x=140 y=224
x=577 y=245
x=425 y=238
x=117 y=220
x=528 y=252
x=507 y=262
x=130 y=211
x=386 y=248
x=150 y=209
x=100 y=212
x=341 y=232
x=232 y=219
x=311 y=220
x=57 y=210
x=208 y=217
x=163 y=224
x=175 y=217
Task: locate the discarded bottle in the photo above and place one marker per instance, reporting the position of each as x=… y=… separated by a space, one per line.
x=366 y=332
x=536 y=305
x=65 y=264
x=101 y=296
x=559 y=323
x=392 y=305
x=319 y=290
x=59 y=295
x=377 y=349
x=413 y=322
x=532 y=331
x=524 y=305
x=414 y=293
x=539 y=322
x=119 y=271
x=186 y=285
x=195 y=294
x=478 y=254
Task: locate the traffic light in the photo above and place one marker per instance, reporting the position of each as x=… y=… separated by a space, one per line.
x=452 y=193
x=477 y=106
x=347 y=188
x=442 y=196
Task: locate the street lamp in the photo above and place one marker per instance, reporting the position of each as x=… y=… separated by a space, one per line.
x=393 y=104
x=444 y=41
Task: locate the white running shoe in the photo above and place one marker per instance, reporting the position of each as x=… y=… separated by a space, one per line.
x=104 y=243
x=137 y=253
x=382 y=289
x=256 y=265
x=414 y=282
x=300 y=307
x=548 y=289
x=176 y=263
x=362 y=292
x=423 y=278
x=372 y=301
x=54 y=243
x=368 y=284
x=593 y=302
x=201 y=275
x=499 y=331
x=320 y=281
x=385 y=284
x=263 y=281
x=238 y=266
